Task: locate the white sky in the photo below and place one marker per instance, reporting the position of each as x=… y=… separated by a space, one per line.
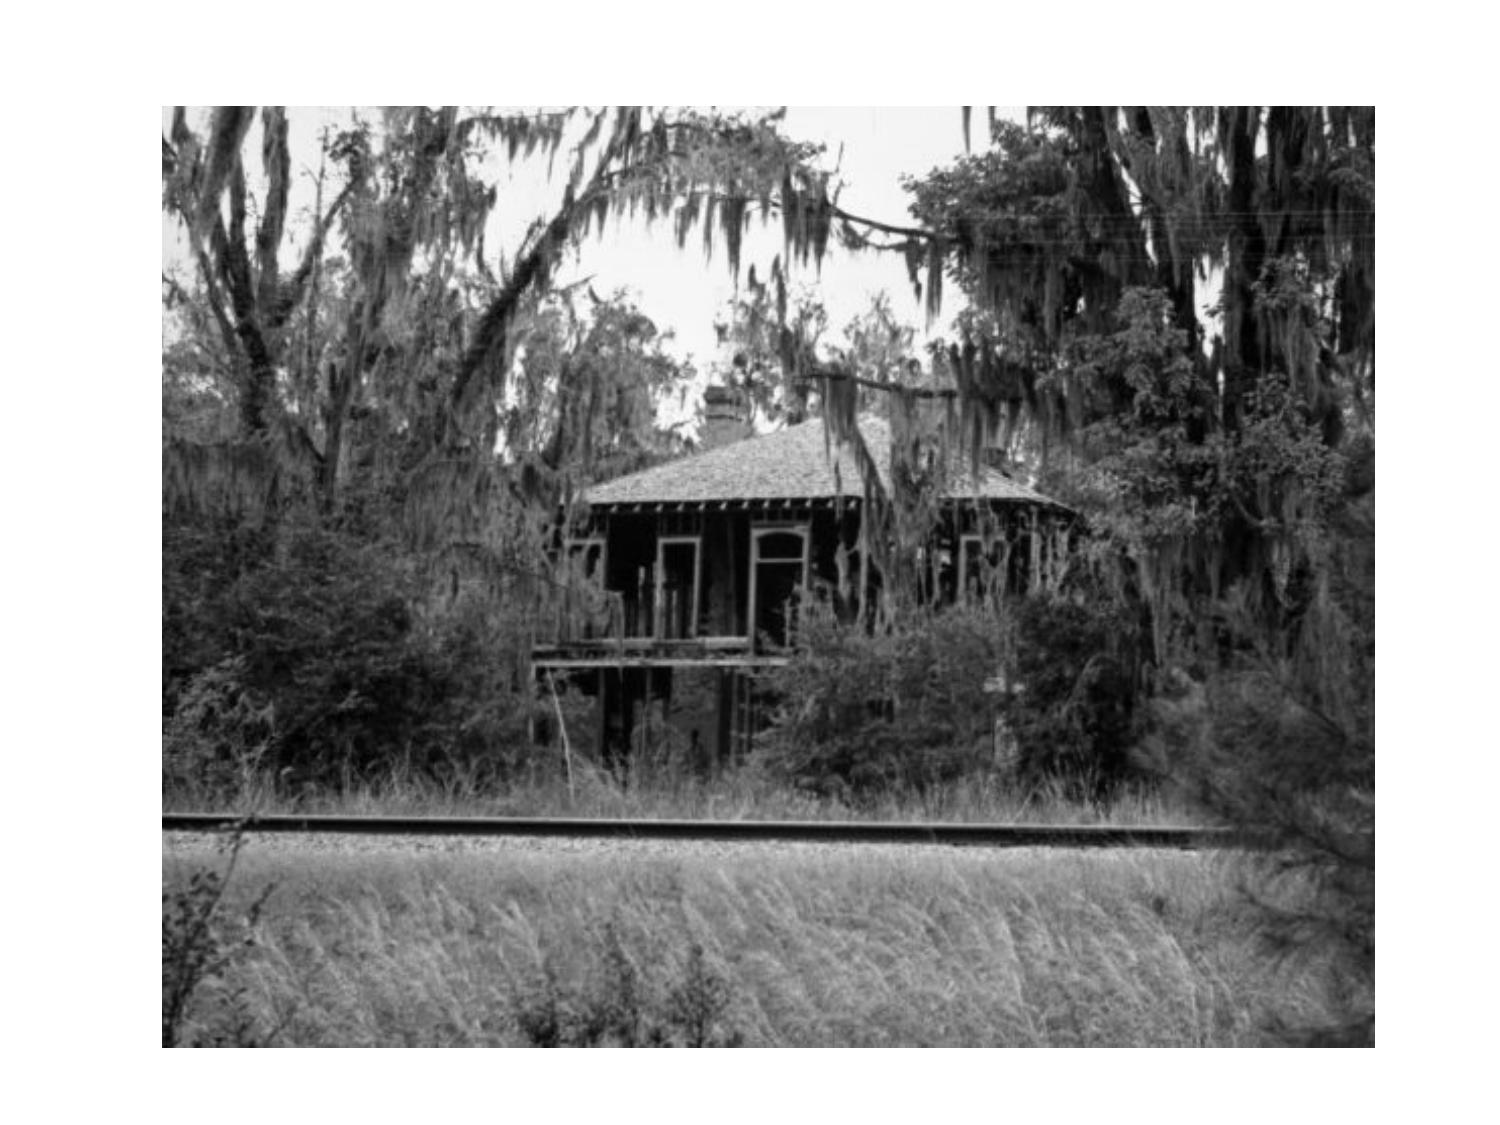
x=680 y=290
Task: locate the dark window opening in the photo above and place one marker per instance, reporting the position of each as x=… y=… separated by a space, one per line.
x=677 y=590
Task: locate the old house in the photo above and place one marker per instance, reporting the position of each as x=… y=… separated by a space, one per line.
x=680 y=582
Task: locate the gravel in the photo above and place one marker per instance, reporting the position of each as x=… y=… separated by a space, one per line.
x=191 y=844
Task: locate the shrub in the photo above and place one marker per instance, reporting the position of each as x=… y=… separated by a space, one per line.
x=1072 y=707
x=862 y=715
x=217 y=736
x=334 y=635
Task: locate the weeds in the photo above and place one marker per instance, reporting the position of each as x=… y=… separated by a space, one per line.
x=699 y=1002
x=201 y=942
x=617 y=1010
x=743 y=794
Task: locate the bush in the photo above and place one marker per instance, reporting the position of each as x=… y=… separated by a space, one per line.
x=1072 y=707
x=217 y=737
x=861 y=715
x=901 y=711
x=335 y=637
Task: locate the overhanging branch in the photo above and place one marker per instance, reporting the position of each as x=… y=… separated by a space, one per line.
x=885 y=384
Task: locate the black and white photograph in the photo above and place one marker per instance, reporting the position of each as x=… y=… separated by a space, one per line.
x=768 y=576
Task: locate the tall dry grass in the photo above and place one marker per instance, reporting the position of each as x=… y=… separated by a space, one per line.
x=875 y=947
x=744 y=794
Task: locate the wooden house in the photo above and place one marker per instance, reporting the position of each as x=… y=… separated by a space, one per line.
x=681 y=582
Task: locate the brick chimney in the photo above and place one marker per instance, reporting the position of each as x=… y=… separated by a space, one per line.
x=723 y=417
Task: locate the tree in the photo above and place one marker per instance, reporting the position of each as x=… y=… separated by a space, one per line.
x=1056 y=231
x=773 y=335
x=410 y=216
x=588 y=386
x=1224 y=460
x=881 y=349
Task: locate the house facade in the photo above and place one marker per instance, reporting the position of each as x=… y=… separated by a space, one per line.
x=682 y=582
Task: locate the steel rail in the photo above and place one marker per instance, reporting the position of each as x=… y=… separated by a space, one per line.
x=767 y=831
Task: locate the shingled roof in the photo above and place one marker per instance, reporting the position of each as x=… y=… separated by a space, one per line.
x=797 y=463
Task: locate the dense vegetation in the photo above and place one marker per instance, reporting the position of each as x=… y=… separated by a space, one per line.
x=1170 y=321
x=755 y=947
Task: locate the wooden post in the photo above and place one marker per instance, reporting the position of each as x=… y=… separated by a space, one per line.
x=724 y=719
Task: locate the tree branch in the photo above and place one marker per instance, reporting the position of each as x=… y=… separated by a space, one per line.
x=230 y=124
x=884 y=228
x=215 y=297
x=278 y=163
x=291 y=293
x=488 y=345
x=884 y=384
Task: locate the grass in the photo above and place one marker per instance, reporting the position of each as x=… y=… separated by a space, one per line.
x=790 y=946
x=744 y=794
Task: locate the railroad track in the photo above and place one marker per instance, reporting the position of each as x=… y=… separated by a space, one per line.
x=766 y=831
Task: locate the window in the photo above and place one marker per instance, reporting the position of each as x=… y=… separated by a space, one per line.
x=677 y=582
x=778 y=570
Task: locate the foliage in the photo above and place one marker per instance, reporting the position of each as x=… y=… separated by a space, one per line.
x=912 y=707
x=1179 y=514
x=327 y=657
x=587 y=388
x=881 y=348
x=1250 y=552
x=394 y=319
x=865 y=715
x=1226 y=479
x=1050 y=225
x=1018 y=247
x=772 y=335
x=1258 y=755
x=217 y=737
x=201 y=945
x=1071 y=706
x=618 y=1008
x=1281 y=740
